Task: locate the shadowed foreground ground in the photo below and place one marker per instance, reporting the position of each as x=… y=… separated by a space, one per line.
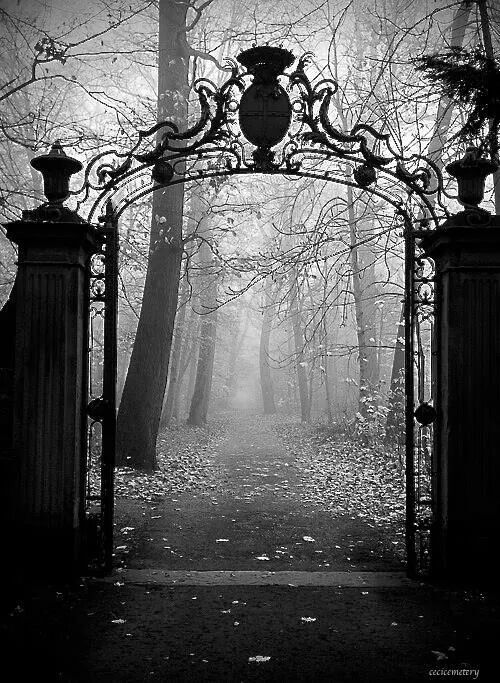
x=160 y=617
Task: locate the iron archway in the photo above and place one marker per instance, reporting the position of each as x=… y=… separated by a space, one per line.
x=305 y=143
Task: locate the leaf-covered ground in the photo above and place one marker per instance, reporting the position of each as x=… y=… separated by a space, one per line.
x=346 y=477
x=186 y=461
x=253 y=491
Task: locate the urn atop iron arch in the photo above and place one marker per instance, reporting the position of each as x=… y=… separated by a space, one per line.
x=265 y=62
x=265 y=112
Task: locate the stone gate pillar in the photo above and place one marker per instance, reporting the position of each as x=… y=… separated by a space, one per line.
x=466 y=252
x=49 y=392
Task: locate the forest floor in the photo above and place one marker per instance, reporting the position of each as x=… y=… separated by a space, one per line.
x=260 y=550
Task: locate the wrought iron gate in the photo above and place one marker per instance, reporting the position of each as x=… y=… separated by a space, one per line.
x=101 y=409
x=301 y=140
x=420 y=413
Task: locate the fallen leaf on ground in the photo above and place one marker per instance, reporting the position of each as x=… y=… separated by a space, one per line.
x=440 y=656
x=258 y=659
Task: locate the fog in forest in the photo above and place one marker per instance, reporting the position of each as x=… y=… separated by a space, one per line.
x=271 y=330
x=273 y=293
x=236 y=397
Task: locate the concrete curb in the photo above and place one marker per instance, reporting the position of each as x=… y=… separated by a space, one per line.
x=259 y=578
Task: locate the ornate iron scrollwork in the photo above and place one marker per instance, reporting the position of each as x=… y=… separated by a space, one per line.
x=305 y=136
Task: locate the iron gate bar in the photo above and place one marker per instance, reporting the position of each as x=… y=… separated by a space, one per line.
x=321 y=175
x=95 y=413
x=110 y=231
x=324 y=173
x=409 y=310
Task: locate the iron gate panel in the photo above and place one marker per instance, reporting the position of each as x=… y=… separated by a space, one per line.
x=420 y=411
x=101 y=409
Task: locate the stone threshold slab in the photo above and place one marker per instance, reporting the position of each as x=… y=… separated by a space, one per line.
x=260 y=578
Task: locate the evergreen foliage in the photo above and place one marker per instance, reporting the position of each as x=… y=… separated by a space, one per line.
x=472 y=80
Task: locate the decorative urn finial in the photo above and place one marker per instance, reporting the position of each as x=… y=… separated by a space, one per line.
x=265 y=62
x=265 y=112
x=56 y=168
x=471 y=172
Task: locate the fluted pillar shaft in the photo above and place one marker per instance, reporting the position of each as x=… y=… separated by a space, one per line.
x=467 y=435
x=50 y=392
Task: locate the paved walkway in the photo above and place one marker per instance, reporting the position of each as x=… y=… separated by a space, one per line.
x=256 y=519
x=245 y=583
x=128 y=631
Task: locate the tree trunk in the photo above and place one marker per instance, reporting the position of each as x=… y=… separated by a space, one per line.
x=367 y=350
x=187 y=356
x=493 y=123
x=299 y=351
x=208 y=300
x=370 y=293
x=142 y=399
x=395 y=417
x=326 y=370
x=173 y=375
x=121 y=374
x=310 y=389
x=192 y=371
x=204 y=371
x=238 y=337
x=266 y=380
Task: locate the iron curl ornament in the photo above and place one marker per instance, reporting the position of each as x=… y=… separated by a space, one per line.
x=263 y=119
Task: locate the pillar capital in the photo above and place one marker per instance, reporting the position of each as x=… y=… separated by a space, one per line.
x=66 y=242
x=465 y=239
